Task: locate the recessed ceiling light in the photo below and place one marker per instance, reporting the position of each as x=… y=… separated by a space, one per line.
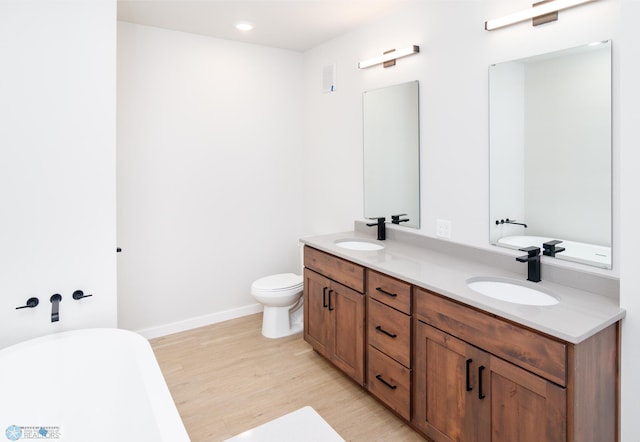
x=244 y=26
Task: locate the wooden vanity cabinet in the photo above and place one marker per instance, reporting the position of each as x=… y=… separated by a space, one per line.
x=389 y=341
x=481 y=378
x=334 y=313
x=455 y=372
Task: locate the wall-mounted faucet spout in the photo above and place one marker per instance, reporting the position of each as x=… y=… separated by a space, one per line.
x=55 y=306
x=382 y=233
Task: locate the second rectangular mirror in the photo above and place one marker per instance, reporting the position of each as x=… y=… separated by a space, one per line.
x=550 y=153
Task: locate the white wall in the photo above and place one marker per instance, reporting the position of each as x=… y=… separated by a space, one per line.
x=57 y=164
x=209 y=177
x=626 y=128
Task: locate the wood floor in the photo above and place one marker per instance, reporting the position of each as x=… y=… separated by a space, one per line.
x=227 y=378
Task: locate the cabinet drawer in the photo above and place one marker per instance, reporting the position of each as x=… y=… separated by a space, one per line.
x=390 y=291
x=389 y=381
x=521 y=346
x=340 y=270
x=389 y=331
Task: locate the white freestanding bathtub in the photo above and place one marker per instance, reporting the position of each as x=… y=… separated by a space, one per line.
x=98 y=385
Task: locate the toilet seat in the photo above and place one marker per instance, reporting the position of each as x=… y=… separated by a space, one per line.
x=277 y=284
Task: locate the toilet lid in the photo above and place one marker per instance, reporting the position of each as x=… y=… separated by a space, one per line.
x=281 y=281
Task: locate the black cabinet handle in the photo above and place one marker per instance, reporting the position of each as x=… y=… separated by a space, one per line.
x=382 y=330
x=381 y=290
x=330 y=307
x=379 y=377
x=468 y=377
x=324 y=297
x=481 y=394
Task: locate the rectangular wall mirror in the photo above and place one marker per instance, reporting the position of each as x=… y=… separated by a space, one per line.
x=391 y=127
x=550 y=153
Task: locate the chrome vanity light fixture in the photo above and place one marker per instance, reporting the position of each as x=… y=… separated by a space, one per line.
x=542 y=12
x=389 y=57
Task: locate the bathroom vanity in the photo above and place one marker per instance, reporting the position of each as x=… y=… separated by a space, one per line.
x=456 y=364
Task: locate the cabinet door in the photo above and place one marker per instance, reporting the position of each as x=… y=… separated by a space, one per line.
x=525 y=407
x=317 y=322
x=346 y=307
x=451 y=402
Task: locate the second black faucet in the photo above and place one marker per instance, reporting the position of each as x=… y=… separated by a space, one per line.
x=382 y=233
x=532 y=258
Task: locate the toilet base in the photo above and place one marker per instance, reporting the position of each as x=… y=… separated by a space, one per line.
x=276 y=322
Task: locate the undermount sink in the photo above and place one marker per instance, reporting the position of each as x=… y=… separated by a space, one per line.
x=359 y=244
x=511 y=291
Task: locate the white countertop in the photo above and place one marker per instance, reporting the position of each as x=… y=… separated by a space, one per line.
x=579 y=314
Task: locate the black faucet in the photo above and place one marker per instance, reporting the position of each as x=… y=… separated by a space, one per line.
x=395 y=219
x=55 y=305
x=550 y=248
x=532 y=258
x=382 y=233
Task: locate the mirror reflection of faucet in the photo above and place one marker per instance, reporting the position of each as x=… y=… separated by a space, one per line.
x=509 y=221
x=550 y=248
x=395 y=219
x=382 y=233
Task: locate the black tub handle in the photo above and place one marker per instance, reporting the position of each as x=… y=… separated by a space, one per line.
x=79 y=294
x=31 y=303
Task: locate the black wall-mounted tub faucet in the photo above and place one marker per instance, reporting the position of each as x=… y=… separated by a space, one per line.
x=532 y=258
x=382 y=233
x=55 y=306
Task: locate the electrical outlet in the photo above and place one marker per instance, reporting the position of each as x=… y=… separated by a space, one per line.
x=443 y=228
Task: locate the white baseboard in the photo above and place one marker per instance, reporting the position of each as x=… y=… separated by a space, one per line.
x=199 y=321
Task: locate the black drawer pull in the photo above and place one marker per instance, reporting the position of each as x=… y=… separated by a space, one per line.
x=330 y=306
x=379 y=377
x=481 y=394
x=381 y=290
x=469 y=387
x=324 y=297
x=382 y=330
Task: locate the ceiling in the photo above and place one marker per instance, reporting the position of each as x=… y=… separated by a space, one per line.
x=296 y=25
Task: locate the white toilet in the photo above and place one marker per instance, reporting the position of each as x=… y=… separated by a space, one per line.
x=281 y=296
